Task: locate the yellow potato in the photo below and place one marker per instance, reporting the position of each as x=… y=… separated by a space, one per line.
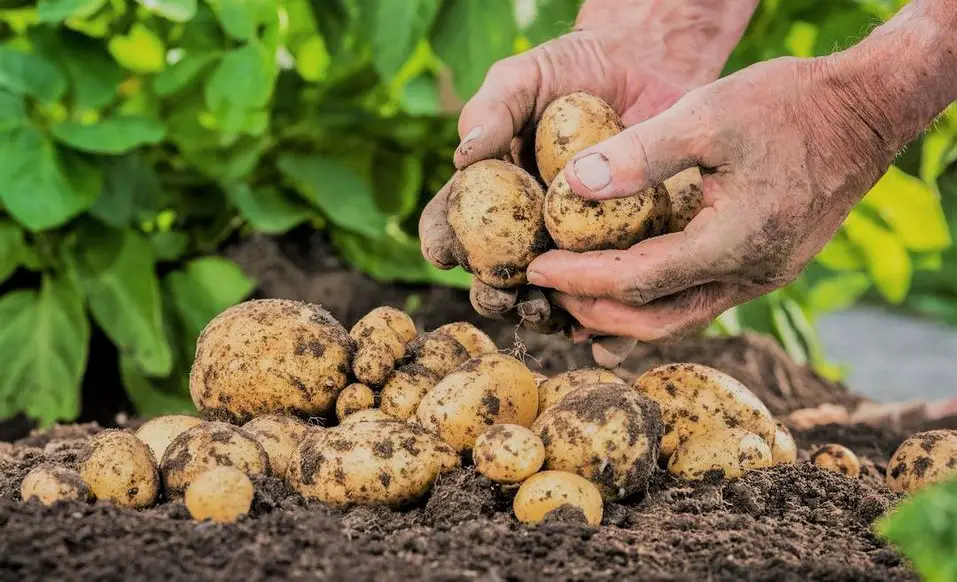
x=474 y=340
x=367 y=415
x=49 y=484
x=490 y=389
x=382 y=463
x=159 y=432
x=837 y=458
x=687 y=199
x=405 y=389
x=209 y=445
x=547 y=491
x=783 y=449
x=221 y=494
x=270 y=355
x=539 y=380
x=381 y=337
x=438 y=352
x=353 y=398
x=495 y=214
x=569 y=125
x=725 y=453
x=279 y=435
x=606 y=433
x=696 y=399
x=555 y=388
x=120 y=468
x=925 y=458
x=508 y=453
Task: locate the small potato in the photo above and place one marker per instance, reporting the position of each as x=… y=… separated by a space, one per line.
x=381 y=463
x=367 y=415
x=159 y=432
x=554 y=389
x=925 y=458
x=490 y=389
x=495 y=214
x=727 y=453
x=696 y=399
x=547 y=491
x=209 y=445
x=120 y=468
x=569 y=125
x=438 y=352
x=270 y=356
x=837 y=458
x=783 y=449
x=221 y=494
x=508 y=453
x=474 y=340
x=607 y=433
x=51 y=483
x=405 y=389
x=353 y=398
x=381 y=337
x=687 y=199
x=279 y=435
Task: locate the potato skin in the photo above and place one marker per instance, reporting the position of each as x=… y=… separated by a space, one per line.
x=508 y=453
x=353 y=398
x=549 y=490
x=49 y=484
x=120 y=468
x=438 y=352
x=221 y=494
x=607 y=433
x=728 y=453
x=279 y=435
x=570 y=124
x=159 y=432
x=697 y=399
x=686 y=198
x=270 y=356
x=495 y=213
x=490 y=389
x=367 y=415
x=924 y=458
x=380 y=337
x=379 y=463
x=783 y=449
x=405 y=389
x=475 y=341
x=209 y=445
x=837 y=458
x=553 y=389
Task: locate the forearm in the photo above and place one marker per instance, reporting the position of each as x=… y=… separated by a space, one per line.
x=698 y=33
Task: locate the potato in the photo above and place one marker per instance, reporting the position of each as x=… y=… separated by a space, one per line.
x=209 y=445
x=508 y=453
x=381 y=337
x=554 y=389
x=569 y=125
x=539 y=379
x=727 y=453
x=837 y=458
x=279 y=435
x=367 y=415
x=405 y=389
x=490 y=389
x=924 y=458
x=382 y=463
x=438 y=352
x=696 y=399
x=51 y=483
x=220 y=494
x=119 y=467
x=783 y=449
x=159 y=432
x=474 y=340
x=495 y=214
x=353 y=398
x=270 y=356
x=606 y=433
x=547 y=491
x=686 y=197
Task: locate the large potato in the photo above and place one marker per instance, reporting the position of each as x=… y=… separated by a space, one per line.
x=387 y=463
x=159 y=432
x=221 y=494
x=607 y=433
x=367 y=415
x=209 y=445
x=49 y=484
x=405 y=389
x=925 y=458
x=727 y=453
x=508 y=453
x=381 y=337
x=547 y=491
x=279 y=435
x=120 y=468
x=490 y=389
x=270 y=355
x=495 y=214
x=553 y=389
x=569 y=125
x=475 y=341
x=696 y=399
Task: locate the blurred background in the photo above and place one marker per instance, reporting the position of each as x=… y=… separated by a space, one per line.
x=162 y=160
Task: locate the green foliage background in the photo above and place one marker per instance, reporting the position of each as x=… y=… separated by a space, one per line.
x=135 y=137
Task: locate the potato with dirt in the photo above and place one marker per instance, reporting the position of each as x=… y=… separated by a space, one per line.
x=377 y=463
x=726 y=453
x=923 y=459
x=495 y=216
x=553 y=389
x=548 y=491
x=119 y=467
x=686 y=198
x=696 y=399
x=368 y=415
x=568 y=125
x=50 y=484
x=353 y=398
x=783 y=449
x=490 y=389
x=210 y=445
x=475 y=341
x=405 y=389
x=380 y=337
x=221 y=495
x=837 y=458
x=438 y=352
x=270 y=356
x=279 y=435
x=159 y=432
x=508 y=453
x=607 y=433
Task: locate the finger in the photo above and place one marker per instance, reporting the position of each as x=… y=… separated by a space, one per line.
x=609 y=352
x=536 y=313
x=435 y=235
x=491 y=302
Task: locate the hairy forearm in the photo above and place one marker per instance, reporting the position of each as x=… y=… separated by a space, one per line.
x=698 y=33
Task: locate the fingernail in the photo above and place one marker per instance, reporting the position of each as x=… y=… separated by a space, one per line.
x=536 y=278
x=593 y=171
x=473 y=134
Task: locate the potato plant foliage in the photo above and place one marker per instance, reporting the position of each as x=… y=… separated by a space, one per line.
x=137 y=137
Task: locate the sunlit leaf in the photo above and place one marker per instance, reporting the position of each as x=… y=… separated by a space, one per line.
x=911 y=209
x=887 y=259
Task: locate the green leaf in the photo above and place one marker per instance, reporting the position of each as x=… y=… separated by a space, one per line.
x=552 y=18
x=93 y=74
x=911 y=209
x=343 y=197
x=204 y=289
x=169 y=245
x=398 y=181
x=31 y=75
x=421 y=96
x=175 y=10
x=839 y=254
x=241 y=18
x=183 y=73
x=140 y=50
x=837 y=293
x=131 y=192
x=887 y=259
x=110 y=135
x=312 y=59
x=44 y=340
x=396 y=28
x=924 y=528
x=13 y=112
x=156 y=396
x=56 y=11
x=266 y=208
x=12 y=248
x=118 y=271
x=470 y=36
x=242 y=82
